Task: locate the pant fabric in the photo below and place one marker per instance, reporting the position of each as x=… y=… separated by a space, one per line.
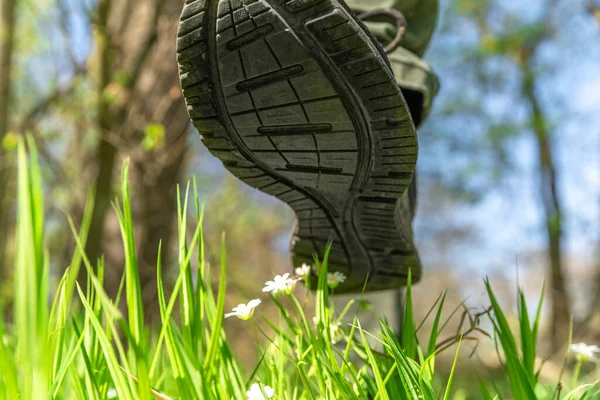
x=412 y=73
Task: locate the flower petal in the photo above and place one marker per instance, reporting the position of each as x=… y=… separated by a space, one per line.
x=254 y=303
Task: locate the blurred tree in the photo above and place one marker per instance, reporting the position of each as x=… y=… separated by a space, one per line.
x=520 y=42
x=100 y=84
x=7 y=40
x=549 y=195
x=590 y=324
x=505 y=115
x=141 y=114
x=499 y=84
x=110 y=91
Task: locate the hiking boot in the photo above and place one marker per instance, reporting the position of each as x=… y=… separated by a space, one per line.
x=298 y=100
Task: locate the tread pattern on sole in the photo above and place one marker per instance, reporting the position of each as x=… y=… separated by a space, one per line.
x=293 y=98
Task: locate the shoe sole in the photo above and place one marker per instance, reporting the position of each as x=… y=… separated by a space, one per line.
x=296 y=101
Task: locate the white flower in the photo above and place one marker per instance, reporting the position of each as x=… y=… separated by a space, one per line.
x=583 y=352
x=244 y=311
x=335 y=332
x=334 y=279
x=281 y=283
x=111 y=394
x=303 y=271
x=291 y=286
x=255 y=392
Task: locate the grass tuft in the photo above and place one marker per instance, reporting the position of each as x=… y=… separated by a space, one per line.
x=75 y=343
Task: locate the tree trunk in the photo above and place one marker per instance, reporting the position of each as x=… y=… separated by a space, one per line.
x=160 y=170
x=145 y=50
x=106 y=152
x=589 y=326
x=105 y=159
x=560 y=301
x=7 y=38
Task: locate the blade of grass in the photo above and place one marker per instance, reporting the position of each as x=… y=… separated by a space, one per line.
x=452 y=371
x=527 y=340
x=218 y=321
x=171 y=305
x=520 y=381
x=120 y=382
x=93 y=390
x=8 y=368
x=381 y=390
x=187 y=288
x=64 y=366
x=409 y=339
x=31 y=294
x=133 y=290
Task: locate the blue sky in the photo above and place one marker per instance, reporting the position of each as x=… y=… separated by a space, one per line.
x=508 y=219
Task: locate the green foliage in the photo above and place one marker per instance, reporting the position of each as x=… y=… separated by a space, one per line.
x=9 y=141
x=154 y=137
x=83 y=346
x=519 y=366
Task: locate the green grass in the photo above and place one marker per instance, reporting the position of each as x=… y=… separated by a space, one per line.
x=79 y=344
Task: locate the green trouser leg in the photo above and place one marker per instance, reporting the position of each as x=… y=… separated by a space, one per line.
x=421 y=16
x=412 y=73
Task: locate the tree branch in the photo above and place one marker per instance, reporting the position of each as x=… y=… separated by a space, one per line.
x=106 y=152
x=593 y=10
x=30 y=119
x=142 y=56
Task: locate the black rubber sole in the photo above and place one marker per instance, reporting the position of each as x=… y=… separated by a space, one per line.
x=295 y=99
